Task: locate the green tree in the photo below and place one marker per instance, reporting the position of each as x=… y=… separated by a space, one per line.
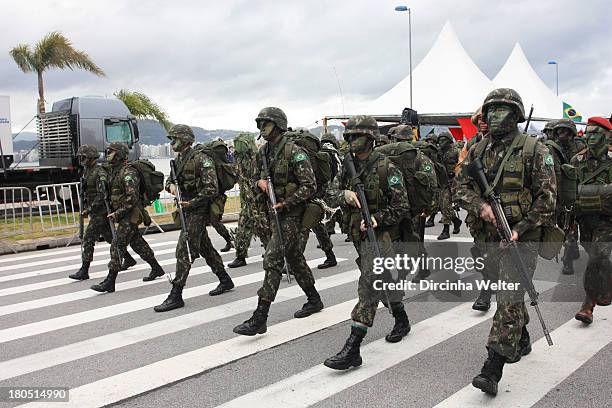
x=53 y=51
x=141 y=106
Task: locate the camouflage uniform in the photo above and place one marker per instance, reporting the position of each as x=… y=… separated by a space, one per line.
x=449 y=157
x=253 y=219
x=596 y=228
x=527 y=189
x=197 y=181
x=293 y=182
x=124 y=190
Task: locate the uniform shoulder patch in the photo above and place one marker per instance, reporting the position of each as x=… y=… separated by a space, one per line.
x=394 y=180
x=427 y=168
x=128 y=177
x=299 y=156
x=207 y=162
x=548 y=160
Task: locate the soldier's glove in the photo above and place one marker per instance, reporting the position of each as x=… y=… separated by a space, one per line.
x=363 y=227
x=350 y=197
x=171 y=188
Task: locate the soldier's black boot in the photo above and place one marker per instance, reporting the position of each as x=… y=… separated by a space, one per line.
x=445 y=234
x=483 y=302
x=524 y=347
x=402 y=325
x=81 y=274
x=329 y=262
x=225 y=284
x=257 y=323
x=108 y=284
x=237 y=263
x=430 y=221
x=173 y=301
x=456 y=225
x=349 y=356
x=128 y=261
x=156 y=272
x=313 y=305
x=568 y=266
x=227 y=247
x=491 y=373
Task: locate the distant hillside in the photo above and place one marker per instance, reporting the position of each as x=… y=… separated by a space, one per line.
x=152 y=133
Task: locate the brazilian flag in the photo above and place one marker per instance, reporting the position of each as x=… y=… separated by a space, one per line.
x=571 y=113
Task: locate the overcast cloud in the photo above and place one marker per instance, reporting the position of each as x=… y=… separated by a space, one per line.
x=214 y=64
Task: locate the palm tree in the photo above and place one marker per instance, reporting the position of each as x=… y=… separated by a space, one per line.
x=141 y=106
x=53 y=51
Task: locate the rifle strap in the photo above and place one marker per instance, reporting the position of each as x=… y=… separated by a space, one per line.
x=500 y=170
x=596 y=173
x=557 y=149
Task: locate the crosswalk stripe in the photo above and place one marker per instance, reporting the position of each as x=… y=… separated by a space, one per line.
x=320 y=382
x=50 y=253
x=525 y=383
x=88 y=293
x=70 y=258
x=67 y=268
x=62 y=322
x=137 y=381
x=71 y=352
x=66 y=281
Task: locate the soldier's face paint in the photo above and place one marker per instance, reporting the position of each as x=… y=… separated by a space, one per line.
x=178 y=144
x=266 y=130
x=111 y=157
x=564 y=135
x=359 y=143
x=501 y=120
x=444 y=143
x=596 y=141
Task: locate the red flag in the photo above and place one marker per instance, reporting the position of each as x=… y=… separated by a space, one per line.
x=457 y=133
x=469 y=130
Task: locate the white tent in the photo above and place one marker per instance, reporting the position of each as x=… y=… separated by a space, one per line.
x=518 y=74
x=446 y=80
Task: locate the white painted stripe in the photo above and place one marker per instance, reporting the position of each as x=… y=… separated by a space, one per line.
x=88 y=293
x=72 y=352
x=320 y=382
x=71 y=320
x=525 y=383
x=49 y=252
x=158 y=374
x=70 y=258
x=67 y=281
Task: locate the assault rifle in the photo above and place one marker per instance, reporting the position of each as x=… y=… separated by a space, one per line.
x=81 y=210
x=476 y=171
x=111 y=223
x=178 y=200
x=275 y=216
x=365 y=211
x=528 y=120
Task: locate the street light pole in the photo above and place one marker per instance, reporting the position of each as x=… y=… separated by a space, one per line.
x=404 y=8
x=556 y=73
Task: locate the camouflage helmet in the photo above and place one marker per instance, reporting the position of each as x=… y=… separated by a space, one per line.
x=548 y=127
x=446 y=135
x=505 y=96
x=121 y=150
x=330 y=138
x=383 y=140
x=183 y=132
x=361 y=125
x=89 y=151
x=273 y=114
x=565 y=124
x=400 y=132
x=244 y=143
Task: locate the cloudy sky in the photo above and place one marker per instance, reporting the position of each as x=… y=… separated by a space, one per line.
x=214 y=64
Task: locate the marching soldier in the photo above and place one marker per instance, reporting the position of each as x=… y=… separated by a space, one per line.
x=594 y=168
x=95 y=210
x=253 y=219
x=293 y=182
x=515 y=165
x=128 y=213
x=217 y=221
x=197 y=181
x=330 y=144
x=388 y=203
x=449 y=156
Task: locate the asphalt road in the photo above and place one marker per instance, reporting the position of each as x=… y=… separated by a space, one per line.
x=114 y=349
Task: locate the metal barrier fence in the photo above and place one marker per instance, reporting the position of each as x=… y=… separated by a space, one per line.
x=15 y=212
x=58 y=206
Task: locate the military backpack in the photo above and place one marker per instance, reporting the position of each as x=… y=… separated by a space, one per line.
x=321 y=161
x=217 y=151
x=566 y=178
x=151 y=180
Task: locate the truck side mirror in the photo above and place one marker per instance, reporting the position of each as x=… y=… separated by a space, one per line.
x=135 y=131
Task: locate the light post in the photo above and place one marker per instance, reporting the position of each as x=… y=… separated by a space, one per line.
x=404 y=8
x=557 y=73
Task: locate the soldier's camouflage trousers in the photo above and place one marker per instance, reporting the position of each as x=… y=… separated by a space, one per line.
x=199 y=245
x=247 y=227
x=128 y=234
x=365 y=309
x=570 y=244
x=511 y=314
x=217 y=221
x=322 y=236
x=596 y=238
x=446 y=205
x=293 y=238
x=97 y=226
